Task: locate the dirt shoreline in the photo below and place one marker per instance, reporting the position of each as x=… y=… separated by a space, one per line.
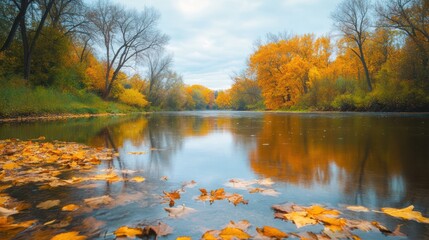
x=51 y=117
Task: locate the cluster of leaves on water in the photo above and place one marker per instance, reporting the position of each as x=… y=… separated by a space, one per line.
x=46 y=164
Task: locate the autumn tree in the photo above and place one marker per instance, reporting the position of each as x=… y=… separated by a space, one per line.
x=352 y=19
x=126 y=37
x=410 y=17
x=282 y=69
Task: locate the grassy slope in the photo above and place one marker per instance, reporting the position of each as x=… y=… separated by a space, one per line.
x=25 y=101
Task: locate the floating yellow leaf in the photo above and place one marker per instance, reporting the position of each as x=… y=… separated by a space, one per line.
x=138 y=179
x=10 y=166
x=210 y=235
x=316 y=210
x=271 y=232
x=48 y=204
x=300 y=219
x=233 y=233
x=68 y=236
x=70 y=208
x=125 y=231
x=184 y=238
x=333 y=224
x=406 y=213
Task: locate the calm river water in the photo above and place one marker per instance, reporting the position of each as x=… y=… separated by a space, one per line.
x=333 y=159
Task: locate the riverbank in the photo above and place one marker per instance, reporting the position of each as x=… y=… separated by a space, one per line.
x=18 y=103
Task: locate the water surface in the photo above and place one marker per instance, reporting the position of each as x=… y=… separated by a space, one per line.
x=334 y=159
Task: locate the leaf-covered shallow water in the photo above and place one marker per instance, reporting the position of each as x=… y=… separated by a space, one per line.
x=330 y=159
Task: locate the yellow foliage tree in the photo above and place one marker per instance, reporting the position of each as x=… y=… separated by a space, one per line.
x=223 y=100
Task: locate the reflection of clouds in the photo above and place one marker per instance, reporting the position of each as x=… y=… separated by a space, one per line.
x=397 y=187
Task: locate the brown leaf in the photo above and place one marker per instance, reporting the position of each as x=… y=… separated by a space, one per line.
x=161 y=229
x=382 y=228
x=236 y=199
x=171 y=196
x=48 y=204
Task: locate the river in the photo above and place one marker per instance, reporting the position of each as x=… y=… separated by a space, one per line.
x=333 y=159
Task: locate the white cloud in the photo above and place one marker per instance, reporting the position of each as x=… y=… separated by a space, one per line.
x=210 y=39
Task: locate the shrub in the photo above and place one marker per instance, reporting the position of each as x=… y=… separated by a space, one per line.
x=133 y=97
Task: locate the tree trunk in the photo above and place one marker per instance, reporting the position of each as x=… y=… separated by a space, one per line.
x=27 y=46
x=365 y=68
x=15 y=24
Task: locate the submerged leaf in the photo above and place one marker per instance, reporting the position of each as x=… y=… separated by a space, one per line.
x=265 y=191
x=96 y=202
x=138 y=179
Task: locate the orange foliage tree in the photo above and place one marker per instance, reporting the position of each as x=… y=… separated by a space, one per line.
x=282 y=68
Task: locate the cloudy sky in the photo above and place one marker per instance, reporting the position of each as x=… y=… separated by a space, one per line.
x=211 y=39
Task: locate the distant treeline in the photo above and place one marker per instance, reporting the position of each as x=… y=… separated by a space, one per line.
x=71 y=56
